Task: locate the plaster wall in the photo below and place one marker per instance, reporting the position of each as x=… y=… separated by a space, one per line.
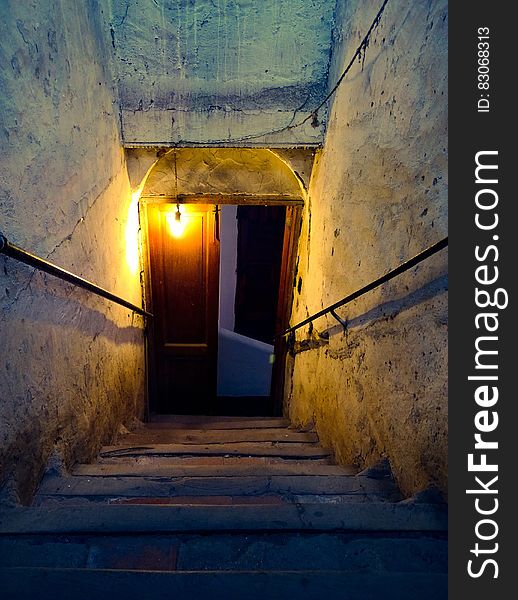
x=221 y=171
x=377 y=197
x=213 y=72
x=202 y=170
x=71 y=363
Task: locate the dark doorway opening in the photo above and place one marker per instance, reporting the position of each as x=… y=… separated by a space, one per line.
x=246 y=335
x=259 y=256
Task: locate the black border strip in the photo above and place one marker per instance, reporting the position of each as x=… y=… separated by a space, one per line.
x=471 y=132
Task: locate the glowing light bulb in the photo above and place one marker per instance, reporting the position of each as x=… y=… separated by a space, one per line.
x=175 y=222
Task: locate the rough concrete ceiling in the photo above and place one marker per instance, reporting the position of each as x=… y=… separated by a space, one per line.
x=215 y=70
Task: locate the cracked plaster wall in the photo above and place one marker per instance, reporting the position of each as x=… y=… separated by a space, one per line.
x=71 y=363
x=278 y=175
x=377 y=197
x=210 y=70
x=222 y=171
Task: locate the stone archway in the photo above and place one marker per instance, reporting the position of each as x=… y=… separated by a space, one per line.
x=222 y=171
x=248 y=171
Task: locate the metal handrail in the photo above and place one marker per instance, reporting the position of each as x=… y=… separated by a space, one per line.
x=43 y=265
x=367 y=288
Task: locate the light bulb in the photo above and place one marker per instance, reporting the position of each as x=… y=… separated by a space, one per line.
x=176 y=224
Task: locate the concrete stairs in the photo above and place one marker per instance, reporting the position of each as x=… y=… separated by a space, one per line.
x=221 y=507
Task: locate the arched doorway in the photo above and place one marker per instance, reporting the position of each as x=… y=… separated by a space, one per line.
x=192 y=358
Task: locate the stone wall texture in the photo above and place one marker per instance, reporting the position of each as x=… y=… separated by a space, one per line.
x=71 y=363
x=377 y=197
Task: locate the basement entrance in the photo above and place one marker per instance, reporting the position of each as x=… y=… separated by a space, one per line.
x=216 y=276
x=219 y=280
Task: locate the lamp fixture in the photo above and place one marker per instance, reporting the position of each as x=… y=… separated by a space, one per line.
x=176 y=224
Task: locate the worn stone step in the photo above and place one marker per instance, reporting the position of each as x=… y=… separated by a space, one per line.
x=219 y=436
x=54 y=501
x=236 y=467
x=208 y=500
x=222 y=551
x=214 y=486
x=54 y=584
x=293 y=551
x=294 y=449
x=106 y=518
x=207 y=422
x=205 y=460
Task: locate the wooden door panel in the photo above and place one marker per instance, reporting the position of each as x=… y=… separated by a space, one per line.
x=184 y=282
x=286 y=290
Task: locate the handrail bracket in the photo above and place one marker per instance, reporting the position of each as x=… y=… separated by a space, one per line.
x=342 y=322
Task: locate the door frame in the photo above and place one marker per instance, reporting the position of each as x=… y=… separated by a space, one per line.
x=287 y=284
x=292 y=227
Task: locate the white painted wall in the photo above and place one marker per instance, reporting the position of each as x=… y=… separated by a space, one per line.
x=228 y=264
x=378 y=196
x=71 y=363
x=244 y=367
x=206 y=71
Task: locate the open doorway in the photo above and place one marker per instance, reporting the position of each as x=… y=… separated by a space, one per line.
x=251 y=240
x=220 y=286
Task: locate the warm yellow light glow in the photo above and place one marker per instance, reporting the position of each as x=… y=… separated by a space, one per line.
x=132 y=227
x=176 y=222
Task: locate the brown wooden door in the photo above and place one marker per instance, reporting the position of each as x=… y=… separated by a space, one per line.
x=184 y=290
x=286 y=289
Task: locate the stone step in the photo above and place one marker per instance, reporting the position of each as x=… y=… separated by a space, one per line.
x=231 y=467
x=294 y=450
x=172 y=501
x=230 y=552
x=207 y=422
x=58 y=501
x=57 y=584
x=215 y=436
x=109 y=518
x=214 y=486
x=205 y=460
